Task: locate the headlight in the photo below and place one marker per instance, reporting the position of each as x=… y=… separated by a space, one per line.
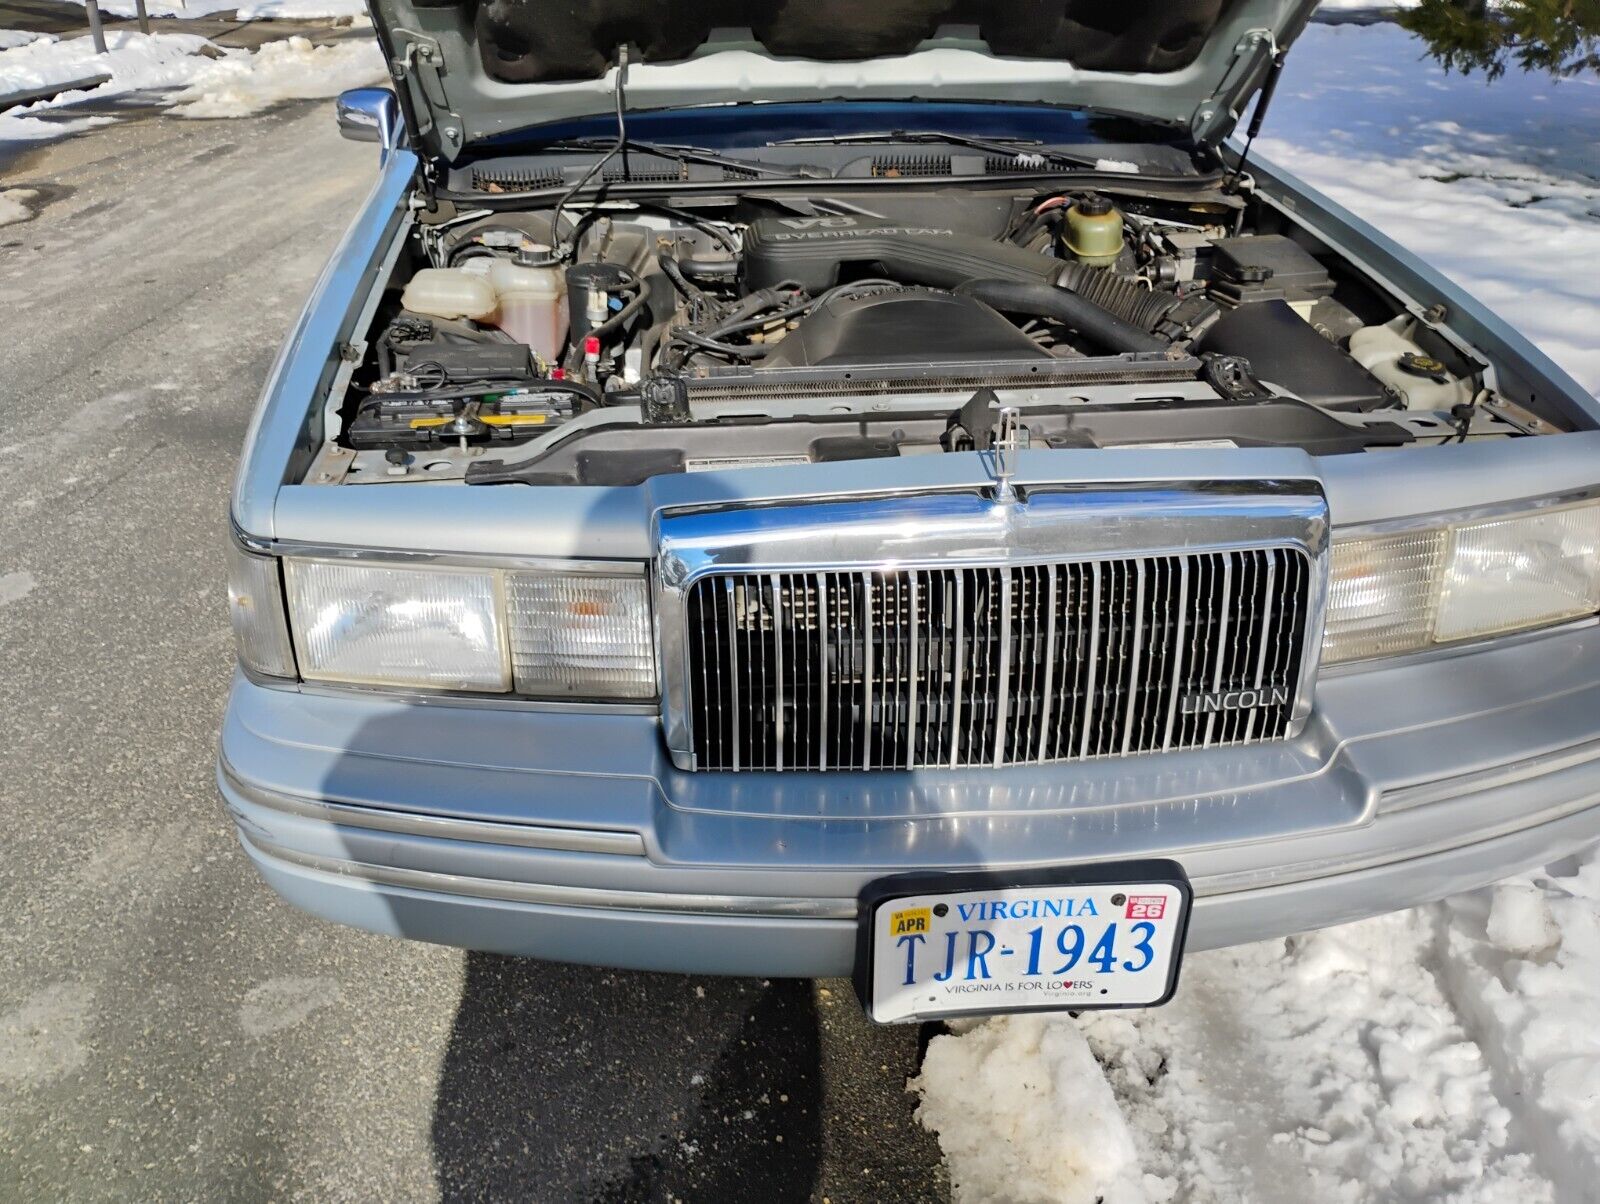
x=547 y=634
x=1402 y=592
x=433 y=627
x=255 y=604
x=1511 y=573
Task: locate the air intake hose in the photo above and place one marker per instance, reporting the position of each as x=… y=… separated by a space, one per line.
x=1088 y=317
x=1165 y=314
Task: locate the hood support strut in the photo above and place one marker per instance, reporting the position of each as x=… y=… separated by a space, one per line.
x=1263 y=101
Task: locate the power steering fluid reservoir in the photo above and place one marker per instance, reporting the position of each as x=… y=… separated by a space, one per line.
x=1094 y=231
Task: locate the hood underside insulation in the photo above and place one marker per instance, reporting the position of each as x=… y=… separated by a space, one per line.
x=523 y=42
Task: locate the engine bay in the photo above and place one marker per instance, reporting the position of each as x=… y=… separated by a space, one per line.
x=611 y=341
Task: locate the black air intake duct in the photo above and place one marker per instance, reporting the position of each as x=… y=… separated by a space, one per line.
x=813 y=251
x=1072 y=310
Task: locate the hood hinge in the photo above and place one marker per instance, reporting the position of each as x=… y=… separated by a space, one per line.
x=421 y=68
x=1216 y=116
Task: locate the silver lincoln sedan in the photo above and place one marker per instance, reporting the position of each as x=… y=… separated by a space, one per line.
x=893 y=491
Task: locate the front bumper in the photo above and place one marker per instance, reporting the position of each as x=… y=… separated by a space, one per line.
x=569 y=835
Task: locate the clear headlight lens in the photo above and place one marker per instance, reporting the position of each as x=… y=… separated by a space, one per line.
x=547 y=634
x=1403 y=592
x=438 y=628
x=585 y=636
x=255 y=604
x=1511 y=573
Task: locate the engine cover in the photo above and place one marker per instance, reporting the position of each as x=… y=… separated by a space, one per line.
x=897 y=327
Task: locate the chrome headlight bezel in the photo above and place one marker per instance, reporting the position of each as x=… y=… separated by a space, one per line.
x=1428 y=587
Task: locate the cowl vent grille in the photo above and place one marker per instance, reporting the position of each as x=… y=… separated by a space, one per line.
x=911 y=165
x=513 y=179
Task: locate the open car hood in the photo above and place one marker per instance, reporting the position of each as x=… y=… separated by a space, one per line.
x=470 y=70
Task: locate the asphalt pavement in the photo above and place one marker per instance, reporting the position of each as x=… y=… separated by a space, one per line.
x=168 y=1028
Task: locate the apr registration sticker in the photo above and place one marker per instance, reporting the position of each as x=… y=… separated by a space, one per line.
x=963 y=944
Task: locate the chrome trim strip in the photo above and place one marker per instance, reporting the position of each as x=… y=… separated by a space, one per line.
x=441 y=827
x=1180 y=646
x=1291 y=874
x=1137 y=655
x=867 y=643
x=1261 y=657
x=1222 y=645
x=506 y=890
x=1404 y=798
x=1091 y=663
x=1047 y=696
x=777 y=655
x=1440 y=652
x=457 y=698
x=733 y=665
x=1002 y=691
x=915 y=677
x=822 y=661
x=956 y=695
x=410 y=558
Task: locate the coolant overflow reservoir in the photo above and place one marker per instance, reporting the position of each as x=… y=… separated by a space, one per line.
x=1094 y=231
x=449 y=293
x=533 y=305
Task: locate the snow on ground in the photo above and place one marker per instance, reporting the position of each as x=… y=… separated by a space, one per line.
x=202 y=79
x=247 y=10
x=289 y=70
x=14 y=205
x=10 y=39
x=135 y=61
x=1447 y=1053
x=1496 y=184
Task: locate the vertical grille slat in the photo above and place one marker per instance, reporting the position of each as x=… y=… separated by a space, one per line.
x=901 y=669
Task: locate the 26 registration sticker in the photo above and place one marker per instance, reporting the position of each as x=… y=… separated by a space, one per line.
x=1019 y=948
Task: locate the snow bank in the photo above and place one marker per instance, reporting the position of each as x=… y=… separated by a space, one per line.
x=303 y=10
x=1521 y=962
x=247 y=10
x=293 y=69
x=1498 y=185
x=204 y=81
x=1024 y=1117
x=10 y=39
x=1407 y=1058
x=134 y=62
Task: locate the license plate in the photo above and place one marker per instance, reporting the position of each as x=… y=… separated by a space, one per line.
x=932 y=945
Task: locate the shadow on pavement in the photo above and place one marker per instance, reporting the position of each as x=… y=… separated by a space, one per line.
x=574 y=1083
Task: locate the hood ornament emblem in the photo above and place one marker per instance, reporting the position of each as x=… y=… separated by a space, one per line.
x=1007 y=443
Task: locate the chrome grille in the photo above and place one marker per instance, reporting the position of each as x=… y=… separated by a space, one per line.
x=933 y=666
